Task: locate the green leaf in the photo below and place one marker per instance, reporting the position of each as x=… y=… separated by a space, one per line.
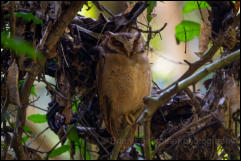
x=20 y=47
x=187 y=30
x=29 y=17
x=151 y=6
x=37 y=118
x=75 y=104
x=73 y=134
x=82 y=149
x=192 y=5
x=33 y=91
x=74 y=107
x=27 y=129
x=59 y=151
x=24 y=139
x=20 y=82
x=138 y=147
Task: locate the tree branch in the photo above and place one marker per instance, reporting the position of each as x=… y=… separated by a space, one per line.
x=59 y=27
x=117 y=147
x=51 y=41
x=155 y=102
x=147 y=139
x=124 y=133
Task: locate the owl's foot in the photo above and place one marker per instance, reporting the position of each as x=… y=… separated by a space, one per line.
x=130 y=119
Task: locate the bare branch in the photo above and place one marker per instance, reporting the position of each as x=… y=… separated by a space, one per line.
x=147 y=139
x=155 y=102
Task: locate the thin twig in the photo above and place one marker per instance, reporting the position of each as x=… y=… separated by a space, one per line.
x=45 y=35
x=198 y=108
x=165 y=58
x=62 y=49
x=185 y=34
x=161 y=56
x=151 y=31
x=156 y=84
x=34 y=106
x=36 y=150
x=53 y=89
x=107 y=10
x=199 y=8
x=93 y=133
x=60 y=141
x=36 y=136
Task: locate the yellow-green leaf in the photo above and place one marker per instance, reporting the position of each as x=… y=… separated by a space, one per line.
x=193 y=5
x=187 y=30
x=151 y=6
x=37 y=118
x=59 y=151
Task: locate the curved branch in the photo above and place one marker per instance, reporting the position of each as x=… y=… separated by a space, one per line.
x=155 y=102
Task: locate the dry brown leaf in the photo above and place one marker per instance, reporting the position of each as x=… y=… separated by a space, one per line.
x=237 y=6
x=204 y=38
x=12 y=84
x=232 y=91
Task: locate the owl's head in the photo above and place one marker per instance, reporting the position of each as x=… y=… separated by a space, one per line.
x=124 y=42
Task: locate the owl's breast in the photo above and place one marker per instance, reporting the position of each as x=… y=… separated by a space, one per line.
x=125 y=81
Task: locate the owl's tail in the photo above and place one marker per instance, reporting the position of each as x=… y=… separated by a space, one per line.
x=116 y=128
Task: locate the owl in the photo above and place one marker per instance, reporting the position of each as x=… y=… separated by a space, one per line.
x=123 y=80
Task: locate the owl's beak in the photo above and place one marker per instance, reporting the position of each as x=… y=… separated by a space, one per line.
x=128 y=54
x=129 y=51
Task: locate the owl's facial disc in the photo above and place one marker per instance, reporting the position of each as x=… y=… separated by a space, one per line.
x=123 y=42
x=128 y=42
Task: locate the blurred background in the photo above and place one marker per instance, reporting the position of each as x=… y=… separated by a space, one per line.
x=167 y=60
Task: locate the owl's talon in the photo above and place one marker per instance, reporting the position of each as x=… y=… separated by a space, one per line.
x=130 y=119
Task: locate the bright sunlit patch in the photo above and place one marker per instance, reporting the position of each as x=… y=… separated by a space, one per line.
x=162 y=67
x=89 y=12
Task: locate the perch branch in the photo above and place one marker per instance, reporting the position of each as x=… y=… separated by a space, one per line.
x=117 y=147
x=204 y=59
x=147 y=139
x=155 y=102
x=124 y=133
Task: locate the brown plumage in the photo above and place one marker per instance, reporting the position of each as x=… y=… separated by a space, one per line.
x=123 y=78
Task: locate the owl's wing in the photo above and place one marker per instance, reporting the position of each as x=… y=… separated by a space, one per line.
x=105 y=103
